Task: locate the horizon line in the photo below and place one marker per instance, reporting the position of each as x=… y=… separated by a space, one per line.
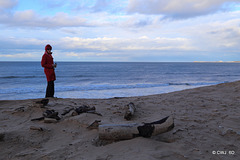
x=131 y=61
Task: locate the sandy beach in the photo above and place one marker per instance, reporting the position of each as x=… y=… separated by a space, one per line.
x=206 y=127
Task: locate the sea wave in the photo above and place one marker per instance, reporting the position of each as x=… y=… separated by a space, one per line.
x=15 y=77
x=90 y=87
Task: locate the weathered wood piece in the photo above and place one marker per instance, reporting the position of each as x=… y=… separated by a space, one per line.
x=36 y=128
x=84 y=109
x=51 y=114
x=2 y=135
x=66 y=111
x=151 y=129
x=129 y=131
x=94 y=125
x=130 y=110
x=37 y=119
x=73 y=113
x=50 y=120
x=118 y=131
x=48 y=114
x=81 y=109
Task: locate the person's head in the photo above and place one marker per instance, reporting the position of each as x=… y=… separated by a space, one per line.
x=48 y=48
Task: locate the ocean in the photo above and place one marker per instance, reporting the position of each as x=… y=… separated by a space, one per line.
x=26 y=80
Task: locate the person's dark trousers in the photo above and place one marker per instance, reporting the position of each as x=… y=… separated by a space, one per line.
x=50 y=89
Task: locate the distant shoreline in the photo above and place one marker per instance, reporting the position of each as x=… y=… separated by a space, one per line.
x=216 y=61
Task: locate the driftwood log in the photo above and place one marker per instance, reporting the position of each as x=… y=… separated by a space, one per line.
x=151 y=129
x=81 y=109
x=48 y=114
x=129 y=131
x=130 y=110
x=51 y=116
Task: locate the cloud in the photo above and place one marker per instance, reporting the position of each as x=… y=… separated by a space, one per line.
x=221 y=35
x=94 y=6
x=137 y=21
x=99 y=33
x=111 y=6
x=53 y=3
x=121 y=44
x=7 y=4
x=100 y=5
x=226 y=38
x=23 y=43
x=18 y=55
x=30 y=19
x=178 y=9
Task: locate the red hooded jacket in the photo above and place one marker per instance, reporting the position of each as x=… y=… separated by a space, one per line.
x=47 y=63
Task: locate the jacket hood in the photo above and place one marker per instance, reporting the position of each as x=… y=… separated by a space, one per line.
x=48 y=46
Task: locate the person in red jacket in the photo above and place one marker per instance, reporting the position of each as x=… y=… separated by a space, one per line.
x=49 y=66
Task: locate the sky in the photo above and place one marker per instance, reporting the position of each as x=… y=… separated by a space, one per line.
x=120 y=30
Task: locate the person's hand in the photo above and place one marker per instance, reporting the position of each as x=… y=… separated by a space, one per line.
x=54 y=65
